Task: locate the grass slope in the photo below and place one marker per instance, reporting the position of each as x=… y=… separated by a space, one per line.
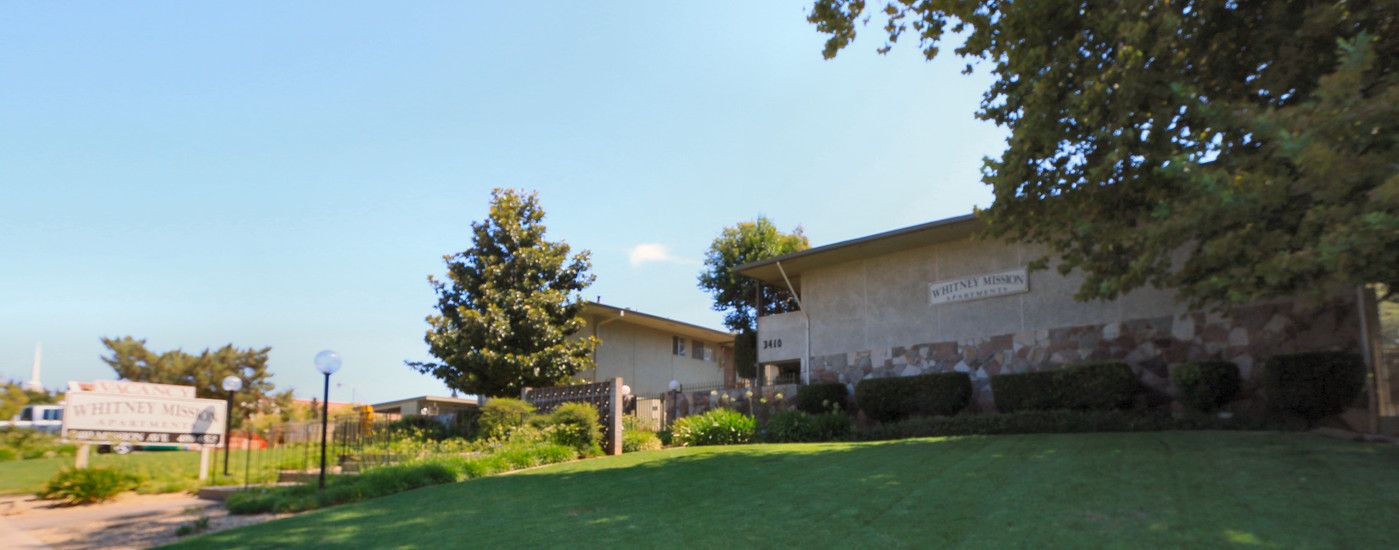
x=1137 y=490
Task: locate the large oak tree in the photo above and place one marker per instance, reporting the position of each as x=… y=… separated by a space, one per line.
x=1234 y=150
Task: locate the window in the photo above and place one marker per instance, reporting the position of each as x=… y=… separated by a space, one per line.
x=697 y=352
x=677 y=345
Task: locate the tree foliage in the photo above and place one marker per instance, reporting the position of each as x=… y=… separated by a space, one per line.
x=15 y=396
x=736 y=295
x=206 y=371
x=1232 y=150
x=509 y=306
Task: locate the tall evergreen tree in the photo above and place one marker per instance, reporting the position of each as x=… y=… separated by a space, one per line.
x=736 y=295
x=206 y=371
x=511 y=304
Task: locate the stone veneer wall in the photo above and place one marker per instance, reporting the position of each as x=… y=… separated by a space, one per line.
x=1247 y=337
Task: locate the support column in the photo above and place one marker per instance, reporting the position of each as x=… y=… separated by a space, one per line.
x=615 y=418
x=80 y=458
x=204 y=462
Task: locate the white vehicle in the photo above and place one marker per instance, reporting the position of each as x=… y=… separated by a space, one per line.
x=49 y=419
x=45 y=418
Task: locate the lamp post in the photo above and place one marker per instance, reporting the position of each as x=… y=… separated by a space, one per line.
x=327 y=362
x=231 y=384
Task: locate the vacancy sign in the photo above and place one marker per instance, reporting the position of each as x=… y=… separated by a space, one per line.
x=143 y=414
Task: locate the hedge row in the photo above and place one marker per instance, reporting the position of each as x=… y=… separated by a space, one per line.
x=1206 y=385
x=1057 y=421
x=896 y=398
x=1091 y=386
x=1312 y=385
x=822 y=397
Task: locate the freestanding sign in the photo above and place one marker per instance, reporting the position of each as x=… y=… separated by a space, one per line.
x=142 y=414
x=108 y=417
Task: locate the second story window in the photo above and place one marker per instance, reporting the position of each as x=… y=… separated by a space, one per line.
x=677 y=345
x=697 y=352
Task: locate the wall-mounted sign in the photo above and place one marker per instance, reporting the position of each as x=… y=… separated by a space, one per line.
x=150 y=416
x=781 y=337
x=976 y=287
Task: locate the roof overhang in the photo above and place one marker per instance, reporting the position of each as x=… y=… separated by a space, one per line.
x=607 y=313
x=430 y=399
x=879 y=244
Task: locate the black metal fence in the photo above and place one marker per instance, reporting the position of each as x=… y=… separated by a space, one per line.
x=291 y=452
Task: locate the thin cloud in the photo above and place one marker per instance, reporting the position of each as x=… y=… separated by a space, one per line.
x=654 y=252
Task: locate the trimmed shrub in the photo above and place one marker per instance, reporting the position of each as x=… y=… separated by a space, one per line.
x=1206 y=385
x=822 y=397
x=502 y=415
x=88 y=485
x=787 y=427
x=417 y=427
x=1313 y=385
x=893 y=399
x=1053 y=421
x=1029 y=391
x=639 y=440
x=714 y=427
x=576 y=425
x=667 y=437
x=796 y=427
x=831 y=426
x=1090 y=386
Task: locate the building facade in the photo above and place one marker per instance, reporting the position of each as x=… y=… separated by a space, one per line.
x=931 y=298
x=648 y=352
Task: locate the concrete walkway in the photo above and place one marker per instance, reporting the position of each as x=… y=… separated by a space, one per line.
x=79 y=515
x=14 y=538
x=23 y=517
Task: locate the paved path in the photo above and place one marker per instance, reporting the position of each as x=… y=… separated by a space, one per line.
x=87 y=514
x=14 y=538
x=18 y=530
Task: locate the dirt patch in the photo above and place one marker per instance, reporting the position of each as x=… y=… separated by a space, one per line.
x=131 y=522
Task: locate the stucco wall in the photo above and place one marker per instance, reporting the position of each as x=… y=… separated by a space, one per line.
x=872 y=318
x=642 y=357
x=883 y=302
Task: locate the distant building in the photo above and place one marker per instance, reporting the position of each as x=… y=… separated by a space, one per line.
x=424 y=406
x=648 y=351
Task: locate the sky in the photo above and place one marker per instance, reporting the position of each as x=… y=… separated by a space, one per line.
x=289 y=174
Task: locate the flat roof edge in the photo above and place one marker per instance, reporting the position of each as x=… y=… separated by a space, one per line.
x=858 y=241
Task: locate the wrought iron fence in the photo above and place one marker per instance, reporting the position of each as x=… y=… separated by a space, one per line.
x=291 y=452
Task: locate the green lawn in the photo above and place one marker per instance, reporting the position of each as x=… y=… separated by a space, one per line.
x=1138 y=490
x=165 y=471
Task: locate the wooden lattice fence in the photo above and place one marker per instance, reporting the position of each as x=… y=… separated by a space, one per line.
x=606 y=396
